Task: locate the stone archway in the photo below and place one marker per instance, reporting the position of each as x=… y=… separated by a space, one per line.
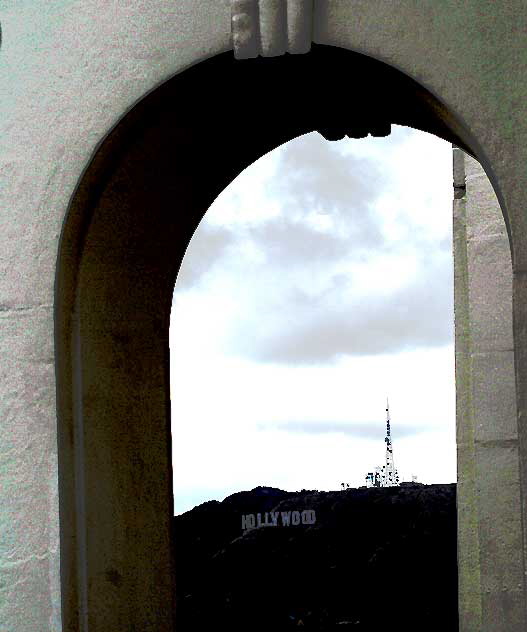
x=126 y=231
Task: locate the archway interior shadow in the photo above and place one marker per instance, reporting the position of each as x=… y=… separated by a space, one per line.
x=126 y=232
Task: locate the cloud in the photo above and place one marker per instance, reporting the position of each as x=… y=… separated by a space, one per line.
x=312 y=180
x=302 y=327
x=207 y=246
x=284 y=241
x=327 y=275
x=373 y=430
x=313 y=176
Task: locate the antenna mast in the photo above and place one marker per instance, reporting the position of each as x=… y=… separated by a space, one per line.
x=390 y=476
x=385 y=476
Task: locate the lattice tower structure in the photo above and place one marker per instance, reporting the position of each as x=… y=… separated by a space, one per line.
x=389 y=476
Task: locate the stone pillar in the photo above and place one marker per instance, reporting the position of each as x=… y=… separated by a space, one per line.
x=490 y=557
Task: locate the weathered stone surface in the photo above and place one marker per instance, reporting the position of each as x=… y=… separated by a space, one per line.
x=489 y=496
x=468 y=547
x=469 y=576
x=485 y=216
x=500 y=535
x=494 y=396
x=490 y=293
x=29 y=544
x=503 y=610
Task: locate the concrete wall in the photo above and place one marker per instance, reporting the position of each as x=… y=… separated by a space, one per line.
x=488 y=492
x=69 y=70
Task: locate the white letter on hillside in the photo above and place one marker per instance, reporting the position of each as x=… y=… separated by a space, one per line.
x=308 y=516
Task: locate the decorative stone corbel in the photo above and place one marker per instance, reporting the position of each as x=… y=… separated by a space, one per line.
x=271 y=27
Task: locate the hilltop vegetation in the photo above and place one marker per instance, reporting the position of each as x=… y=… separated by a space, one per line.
x=372 y=558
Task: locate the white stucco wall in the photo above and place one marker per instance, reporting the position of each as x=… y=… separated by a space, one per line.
x=68 y=71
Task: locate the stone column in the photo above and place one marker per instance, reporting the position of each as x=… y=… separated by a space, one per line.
x=490 y=557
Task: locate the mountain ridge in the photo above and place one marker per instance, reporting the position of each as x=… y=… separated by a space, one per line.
x=358 y=548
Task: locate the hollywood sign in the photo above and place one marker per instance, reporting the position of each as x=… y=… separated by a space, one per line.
x=270 y=519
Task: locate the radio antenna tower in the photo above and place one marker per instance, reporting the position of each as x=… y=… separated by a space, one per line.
x=385 y=476
x=390 y=475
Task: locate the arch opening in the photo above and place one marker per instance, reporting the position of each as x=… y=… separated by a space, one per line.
x=129 y=222
x=318 y=282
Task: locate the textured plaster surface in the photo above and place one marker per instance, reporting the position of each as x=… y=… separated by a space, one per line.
x=69 y=70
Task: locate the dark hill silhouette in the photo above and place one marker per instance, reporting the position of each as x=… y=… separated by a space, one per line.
x=374 y=559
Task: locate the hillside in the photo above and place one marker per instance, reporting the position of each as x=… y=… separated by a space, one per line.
x=371 y=558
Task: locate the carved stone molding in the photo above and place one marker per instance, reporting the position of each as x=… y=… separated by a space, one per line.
x=271 y=27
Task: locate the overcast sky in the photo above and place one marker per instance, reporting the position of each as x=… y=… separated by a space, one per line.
x=319 y=283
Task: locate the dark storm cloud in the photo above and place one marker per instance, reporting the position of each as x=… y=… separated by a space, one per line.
x=208 y=245
x=366 y=430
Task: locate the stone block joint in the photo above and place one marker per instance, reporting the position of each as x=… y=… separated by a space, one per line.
x=271 y=27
